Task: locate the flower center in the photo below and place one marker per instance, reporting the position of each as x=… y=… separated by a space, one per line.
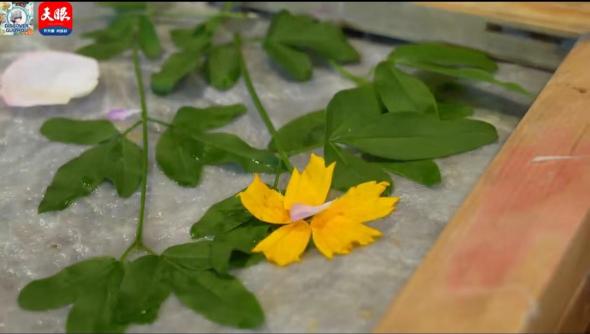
x=302 y=211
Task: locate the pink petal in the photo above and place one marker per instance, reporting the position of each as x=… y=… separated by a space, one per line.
x=48 y=78
x=121 y=114
x=302 y=211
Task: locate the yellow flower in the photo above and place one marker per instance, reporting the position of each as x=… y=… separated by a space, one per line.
x=336 y=226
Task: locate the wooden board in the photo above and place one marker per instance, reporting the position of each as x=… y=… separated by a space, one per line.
x=515 y=256
x=559 y=18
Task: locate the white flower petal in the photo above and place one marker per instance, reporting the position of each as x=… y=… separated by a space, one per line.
x=48 y=78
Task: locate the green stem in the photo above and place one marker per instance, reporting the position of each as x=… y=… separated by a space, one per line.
x=358 y=80
x=144 y=126
x=155 y=120
x=258 y=104
x=138 y=241
x=131 y=128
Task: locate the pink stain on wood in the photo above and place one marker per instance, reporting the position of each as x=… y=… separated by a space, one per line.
x=509 y=218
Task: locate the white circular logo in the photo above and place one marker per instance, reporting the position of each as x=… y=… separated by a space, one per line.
x=17 y=15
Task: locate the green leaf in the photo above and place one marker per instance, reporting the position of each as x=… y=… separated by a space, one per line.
x=190 y=256
x=302 y=133
x=77 y=131
x=181 y=36
x=220 y=298
x=241 y=260
x=123 y=166
x=221 y=218
x=91 y=285
x=184 y=149
x=188 y=39
x=411 y=136
x=288 y=35
x=93 y=311
x=178 y=66
x=148 y=38
x=401 y=92
x=234 y=232
x=304 y=31
x=443 y=55
x=453 y=110
x=142 y=291
x=121 y=29
x=471 y=74
x=196 y=120
x=104 y=51
x=118 y=161
x=451 y=61
x=223 y=148
x=180 y=158
x=62 y=288
x=198 y=38
x=216 y=252
x=351 y=108
x=241 y=239
x=223 y=66
x=425 y=172
x=351 y=170
x=295 y=63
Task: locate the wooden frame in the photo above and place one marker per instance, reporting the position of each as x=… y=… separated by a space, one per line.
x=516 y=255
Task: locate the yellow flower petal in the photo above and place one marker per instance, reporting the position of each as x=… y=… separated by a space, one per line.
x=285 y=245
x=338 y=235
x=264 y=203
x=312 y=186
x=361 y=203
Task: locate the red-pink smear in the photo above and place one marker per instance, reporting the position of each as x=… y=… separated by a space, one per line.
x=509 y=217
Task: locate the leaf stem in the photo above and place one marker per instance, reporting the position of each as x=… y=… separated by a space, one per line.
x=358 y=80
x=129 y=129
x=155 y=120
x=258 y=104
x=138 y=241
x=144 y=126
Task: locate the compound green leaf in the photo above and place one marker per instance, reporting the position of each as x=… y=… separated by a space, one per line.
x=290 y=35
x=118 y=161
